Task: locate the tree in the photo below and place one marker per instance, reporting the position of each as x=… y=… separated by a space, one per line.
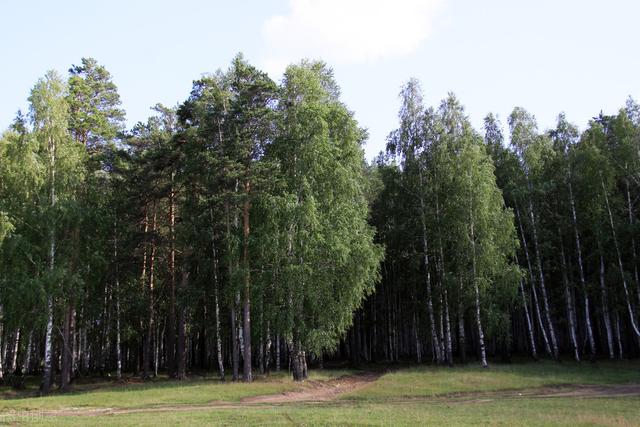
x=63 y=165
x=327 y=259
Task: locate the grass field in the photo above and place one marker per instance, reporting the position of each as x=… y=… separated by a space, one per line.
x=502 y=395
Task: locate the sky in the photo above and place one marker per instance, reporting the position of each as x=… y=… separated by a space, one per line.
x=572 y=56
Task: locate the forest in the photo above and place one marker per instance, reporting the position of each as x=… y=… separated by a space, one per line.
x=244 y=231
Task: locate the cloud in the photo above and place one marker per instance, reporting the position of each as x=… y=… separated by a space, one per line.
x=347 y=31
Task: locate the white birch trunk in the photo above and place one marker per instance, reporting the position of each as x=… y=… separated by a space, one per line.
x=525 y=304
x=48 y=344
x=26 y=362
x=583 y=284
x=14 y=351
x=633 y=243
x=543 y=288
x=618 y=336
x=605 y=309
x=543 y=330
x=632 y=316
x=569 y=302
x=425 y=247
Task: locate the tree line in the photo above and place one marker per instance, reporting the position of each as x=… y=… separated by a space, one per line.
x=243 y=229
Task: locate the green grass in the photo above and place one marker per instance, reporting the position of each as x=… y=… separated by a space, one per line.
x=534 y=412
x=428 y=381
x=195 y=391
x=401 y=397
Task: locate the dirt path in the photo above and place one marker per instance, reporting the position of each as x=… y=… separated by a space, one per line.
x=318 y=391
x=557 y=391
x=311 y=391
x=328 y=391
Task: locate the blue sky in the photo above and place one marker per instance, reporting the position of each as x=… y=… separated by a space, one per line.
x=546 y=56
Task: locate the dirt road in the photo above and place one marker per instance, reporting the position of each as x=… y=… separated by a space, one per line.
x=327 y=392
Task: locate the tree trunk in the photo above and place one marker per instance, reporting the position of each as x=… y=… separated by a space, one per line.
x=216 y=285
x=483 y=355
x=571 y=314
x=267 y=348
x=632 y=316
x=48 y=346
x=277 y=353
x=246 y=297
x=536 y=304
x=26 y=363
x=416 y=339
x=147 y=354
x=462 y=341
x=634 y=252
x=48 y=349
x=181 y=347
x=447 y=332
x=605 y=308
x=298 y=362
x=616 y=318
x=525 y=304
x=117 y=291
x=14 y=351
x=583 y=284
x=543 y=288
x=171 y=321
x=235 y=343
x=67 y=347
x=425 y=247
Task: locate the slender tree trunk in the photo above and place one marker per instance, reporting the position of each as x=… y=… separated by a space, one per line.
x=605 y=307
x=583 y=284
x=543 y=288
x=48 y=346
x=616 y=318
x=48 y=349
x=632 y=316
x=571 y=316
x=171 y=321
x=462 y=341
x=483 y=355
x=67 y=347
x=246 y=297
x=26 y=362
x=147 y=353
x=156 y=349
x=106 y=336
x=267 y=348
x=277 y=353
x=447 y=332
x=216 y=285
x=525 y=304
x=416 y=338
x=634 y=252
x=534 y=292
x=425 y=247
x=234 y=343
x=181 y=347
x=117 y=291
x=14 y=351
x=444 y=300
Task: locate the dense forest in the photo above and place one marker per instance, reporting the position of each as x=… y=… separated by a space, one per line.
x=243 y=230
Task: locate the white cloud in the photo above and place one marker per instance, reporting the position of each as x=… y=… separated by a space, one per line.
x=347 y=31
